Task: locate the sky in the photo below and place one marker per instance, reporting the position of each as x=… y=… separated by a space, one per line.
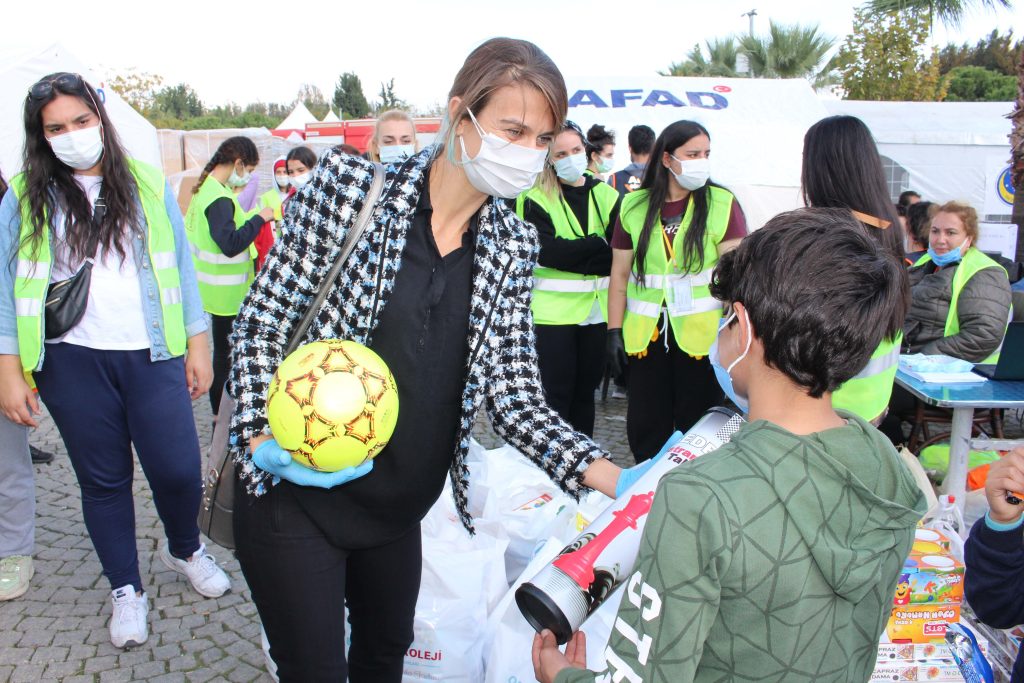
x=263 y=51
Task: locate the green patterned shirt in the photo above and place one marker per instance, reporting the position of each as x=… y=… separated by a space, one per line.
x=774 y=558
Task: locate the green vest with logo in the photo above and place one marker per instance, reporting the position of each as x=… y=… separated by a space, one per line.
x=693 y=313
x=973 y=261
x=560 y=297
x=223 y=280
x=867 y=394
x=32 y=277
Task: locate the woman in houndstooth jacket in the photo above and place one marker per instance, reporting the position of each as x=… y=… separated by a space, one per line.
x=439 y=285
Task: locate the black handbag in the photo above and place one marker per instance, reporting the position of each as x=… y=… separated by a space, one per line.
x=67 y=300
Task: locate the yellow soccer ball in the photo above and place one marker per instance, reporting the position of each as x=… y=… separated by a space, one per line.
x=333 y=404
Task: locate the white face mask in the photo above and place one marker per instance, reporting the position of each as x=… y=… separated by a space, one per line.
x=282 y=181
x=501 y=168
x=571 y=168
x=695 y=173
x=235 y=180
x=80 y=149
x=299 y=179
x=605 y=164
x=390 y=154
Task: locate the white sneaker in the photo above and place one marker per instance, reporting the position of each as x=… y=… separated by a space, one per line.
x=201 y=569
x=128 y=623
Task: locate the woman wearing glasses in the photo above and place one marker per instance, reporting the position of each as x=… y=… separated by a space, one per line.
x=117 y=366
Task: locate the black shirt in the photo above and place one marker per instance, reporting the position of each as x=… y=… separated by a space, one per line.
x=589 y=253
x=423 y=336
x=232 y=239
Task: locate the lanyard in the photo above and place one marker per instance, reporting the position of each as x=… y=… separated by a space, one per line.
x=668 y=248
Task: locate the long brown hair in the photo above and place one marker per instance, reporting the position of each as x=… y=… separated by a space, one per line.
x=493 y=65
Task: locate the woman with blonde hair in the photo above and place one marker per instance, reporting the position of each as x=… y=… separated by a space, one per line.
x=394 y=138
x=439 y=286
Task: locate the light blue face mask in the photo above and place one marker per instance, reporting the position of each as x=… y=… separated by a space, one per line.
x=722 y=374
x=950 y=257
x=570 y=168
x=393 y=154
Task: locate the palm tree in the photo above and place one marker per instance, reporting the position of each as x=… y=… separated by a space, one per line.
x=721 y=61
x=789 y=52
x=786 y=52
x=951 y=13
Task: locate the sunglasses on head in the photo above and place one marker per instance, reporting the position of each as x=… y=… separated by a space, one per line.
x=64 y=82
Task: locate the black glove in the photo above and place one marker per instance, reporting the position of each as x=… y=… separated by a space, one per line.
x=615 y=352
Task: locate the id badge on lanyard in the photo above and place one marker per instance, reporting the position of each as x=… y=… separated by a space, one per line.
x=679 y=295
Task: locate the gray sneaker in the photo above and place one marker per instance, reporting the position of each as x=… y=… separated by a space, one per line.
x=15 y=573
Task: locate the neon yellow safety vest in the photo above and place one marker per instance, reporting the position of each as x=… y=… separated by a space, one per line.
x=33 y=268
x=695 y=315
x=271 y=199
x=973 y=261
x=560 y=297
x=867 y=394
x=223 y=280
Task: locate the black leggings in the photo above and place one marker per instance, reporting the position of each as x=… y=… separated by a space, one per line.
x=572 y=360
x=668 y=390
x=220 y=329
x=301 y=584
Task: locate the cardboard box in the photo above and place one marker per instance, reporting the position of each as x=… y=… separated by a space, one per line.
x=930 y=579
x=920 y=623
x=935 y=671
x=929 y=542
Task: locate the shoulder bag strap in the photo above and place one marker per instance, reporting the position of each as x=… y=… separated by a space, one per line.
x=362 y=220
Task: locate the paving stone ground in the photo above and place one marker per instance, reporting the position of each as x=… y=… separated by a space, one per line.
x=58 y=630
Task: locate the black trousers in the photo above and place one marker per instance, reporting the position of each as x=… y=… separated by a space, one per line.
x=572 y=360
x=220 y=328
x=301 y=584
x=668 y=390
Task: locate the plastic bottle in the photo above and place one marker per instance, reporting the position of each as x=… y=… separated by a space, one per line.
x=949 y=520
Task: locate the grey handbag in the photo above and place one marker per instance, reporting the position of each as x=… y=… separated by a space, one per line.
x=217 y=507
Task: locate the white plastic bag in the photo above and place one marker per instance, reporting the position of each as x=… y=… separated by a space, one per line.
x=463 y=577
x=512 y=492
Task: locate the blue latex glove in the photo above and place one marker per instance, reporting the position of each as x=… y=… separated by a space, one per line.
x=270 y=457
x=631 y=475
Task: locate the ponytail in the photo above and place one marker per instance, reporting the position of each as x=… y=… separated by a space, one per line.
x=231 y=150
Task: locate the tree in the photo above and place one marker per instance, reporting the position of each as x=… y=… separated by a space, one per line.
x=349 y=99
x=314 y=99
x=951 y=12
x=883 y=60
x=137 y=88
x=789 y=52
x=721 y=60
x=978 y=84
x=996 y=52
x=178 y=101
x=388 y=98
x=786 y=52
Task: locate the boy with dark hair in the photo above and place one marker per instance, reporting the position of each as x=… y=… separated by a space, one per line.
x=775 y=558
x=641 y=141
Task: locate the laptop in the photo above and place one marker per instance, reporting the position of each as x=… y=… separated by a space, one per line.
x=1011 y=358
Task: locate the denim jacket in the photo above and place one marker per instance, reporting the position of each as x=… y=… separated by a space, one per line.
x=192 y=305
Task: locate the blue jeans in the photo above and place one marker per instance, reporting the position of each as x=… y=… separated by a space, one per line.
x=103 y=403
x=17 y=491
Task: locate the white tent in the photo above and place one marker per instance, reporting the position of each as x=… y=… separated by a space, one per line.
x=756 y=126
x=330 y=117
x=298 y=119
x=946 y=150
x=17 y=74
